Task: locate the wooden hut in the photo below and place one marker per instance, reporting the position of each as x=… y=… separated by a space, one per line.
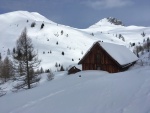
x=108 y=57
x=74 y=69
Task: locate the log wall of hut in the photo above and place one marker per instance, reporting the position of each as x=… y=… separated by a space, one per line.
x=99 y=59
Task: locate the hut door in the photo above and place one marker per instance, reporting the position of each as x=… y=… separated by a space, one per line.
x=98 y=68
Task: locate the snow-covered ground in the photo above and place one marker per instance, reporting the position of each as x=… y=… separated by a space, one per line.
x=93 y=92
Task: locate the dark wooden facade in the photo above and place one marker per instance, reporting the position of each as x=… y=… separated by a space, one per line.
x=73 y=70
x=98 y=59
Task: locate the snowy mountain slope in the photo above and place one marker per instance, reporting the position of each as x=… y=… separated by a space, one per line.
x=93 y=92
x=73 y=42
x=130 y=33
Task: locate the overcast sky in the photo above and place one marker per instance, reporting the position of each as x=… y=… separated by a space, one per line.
x=84 y=13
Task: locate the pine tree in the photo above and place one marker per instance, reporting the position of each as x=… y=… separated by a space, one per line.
x=92 y=34
x=62 y=53
x=47 y=71
x=56 y=65
x=41 y=70
x=0 y=57
x=62 y=32
x=8 y=52
x=27 y=60
x=1 y=63
x=62 y=68
x=143 y=34
x=33 y=24
x=14 y=50
x=42 y=25
x=148 y=44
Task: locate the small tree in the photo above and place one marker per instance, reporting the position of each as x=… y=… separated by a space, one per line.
x=1 y=66
x=41 y=70
x=50 y=75
x=8 y=52
x=92 y=34
x=62 y=53
x=143 y=34
x=33 y=24
x=62 y=32
x=47 y=71
x=42 y=25
x=148 y=44
x=7 y=70
x=149 y=56
x=56 y=65
x=14 y=50
x=0 y=57
x=123 y=39
x=62 y=68
x=137 y=49
x=57 y=42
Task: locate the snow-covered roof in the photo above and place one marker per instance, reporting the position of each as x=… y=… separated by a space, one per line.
x=119 y=53
x=77 y=66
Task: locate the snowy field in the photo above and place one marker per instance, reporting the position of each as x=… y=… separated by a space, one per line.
x=93 y=92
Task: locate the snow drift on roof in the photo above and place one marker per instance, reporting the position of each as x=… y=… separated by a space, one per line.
x=119 y=53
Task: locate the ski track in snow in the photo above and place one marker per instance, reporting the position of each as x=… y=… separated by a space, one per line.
x=32 y=103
